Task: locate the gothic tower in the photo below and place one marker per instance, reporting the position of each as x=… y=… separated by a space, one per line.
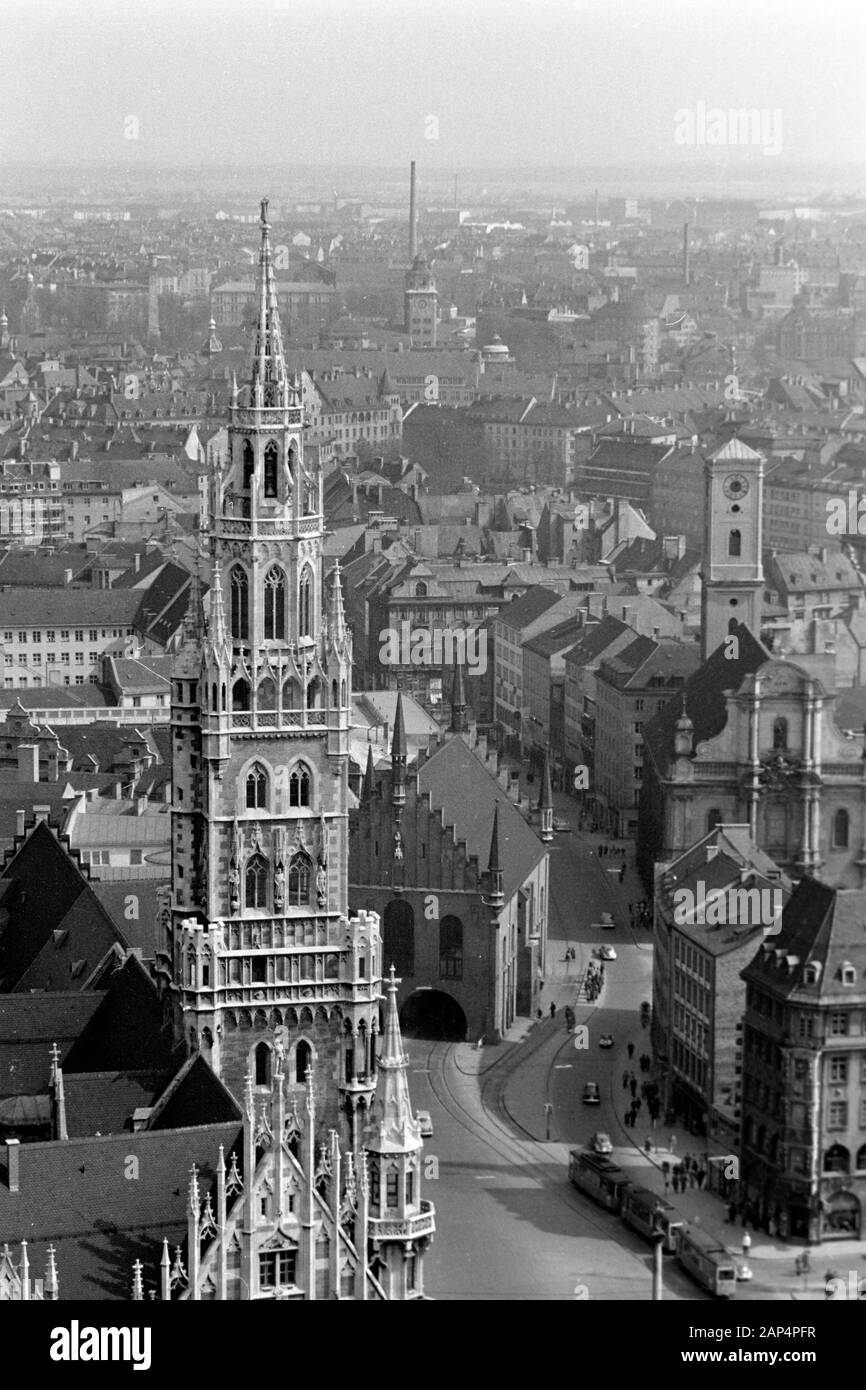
x=260 y=952
x=732 y=576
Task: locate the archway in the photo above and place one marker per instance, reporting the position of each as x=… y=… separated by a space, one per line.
x=433 y=1014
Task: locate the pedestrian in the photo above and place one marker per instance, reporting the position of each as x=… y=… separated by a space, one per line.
x=747 y=1244
x=538 y=1014
x=622 y=874
x=552 y=1009
x=693 y=1177
x=624 y=1080
x=771 y=1228
x=638 y=1103
x=702 y=1173
x=633 y=1087
x=672 y=1143
x=630 y=1051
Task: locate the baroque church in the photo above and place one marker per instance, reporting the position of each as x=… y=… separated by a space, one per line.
x=752 y=739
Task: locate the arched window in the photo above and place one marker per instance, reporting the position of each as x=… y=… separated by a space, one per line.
x=735 y=543
x=837 y=1159
x=299 y=785
x=399 y=937
x=263 y=1064
x=299 y=881
x=257 y=788
x=335 y=694
x=248 y=465
x=271 y=461
x=732 y=626
x=305 y=604
x=256 y=882
x=275 y=604
x=292 y=461
x=780 y=734
x=314 y=694
x=240 y=592
x=266 y=695
x=841 y=829
x=420 y=589
x=303 y=1061
x=451 y=948
x=861 y=1156
x=713 y=819
x=241 y=695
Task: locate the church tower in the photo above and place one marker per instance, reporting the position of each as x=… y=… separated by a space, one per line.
x=732 y=576
x=260 y=953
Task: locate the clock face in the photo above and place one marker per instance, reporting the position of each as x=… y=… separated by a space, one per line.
x=736 y=486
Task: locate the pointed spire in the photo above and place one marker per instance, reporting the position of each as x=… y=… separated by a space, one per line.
x=269 y=378
x=218 y=642
x=494 y=896
x=392 y=1127
x=189 y=647
x=545 y=801
x=138 y=1282
x=194 y=1198
x=369 y=776
x=52 y=1283
x=458 y=700
x=398 y=756
x=336 y=611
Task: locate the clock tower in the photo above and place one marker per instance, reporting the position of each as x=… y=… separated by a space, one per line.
x=264 y=967
x=732 y=576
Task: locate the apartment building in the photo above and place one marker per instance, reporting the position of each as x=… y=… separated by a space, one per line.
x=58 y=636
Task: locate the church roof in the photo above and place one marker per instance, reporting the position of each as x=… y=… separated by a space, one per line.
x=459 y=784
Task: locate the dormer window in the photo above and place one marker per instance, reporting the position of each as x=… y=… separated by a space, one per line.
x=849 y=974
x=812 y=973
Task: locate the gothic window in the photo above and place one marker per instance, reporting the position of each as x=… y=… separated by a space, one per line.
x=275 y=604
x=299 y=785
x=735 y=544
x=840 y=829
x=335 y=694
x=303 y=1061
x=392 y=1178
x=291 y=696
x=314 y=694
x=241 y=695
x=256 y=882
x=299 y=881
x=309 y=500
x=266 y=696
x=240 y=604
x=399 y=937
x=305 y=604
x=292 y=461
x=277 y=1269
x=263 y=1064
x=780 y=734
x=271 y=460
x=451 y=948
x=257 y=788
x=248 y=465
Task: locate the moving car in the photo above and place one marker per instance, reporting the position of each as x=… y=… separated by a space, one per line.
x=590 y=1093
x=560 y=823
x=743 y=1272
x=607 y=953
x=606 y=1040
x=426 y=1123
x=601 y=1143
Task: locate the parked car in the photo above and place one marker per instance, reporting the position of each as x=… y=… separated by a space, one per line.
x=560 y=823
x=590 y=1093
x=607 y=953
x=606 y=1040
x=607 y=922
x=601 y=1143
x=426 y=1123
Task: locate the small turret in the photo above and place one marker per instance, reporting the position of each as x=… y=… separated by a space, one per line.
x=494 y=896
x=684 y=734
x=336 y=611
x=369 y=776
x=458 y=701
x=392 y=1127
x=545 y=801
x=398 y=757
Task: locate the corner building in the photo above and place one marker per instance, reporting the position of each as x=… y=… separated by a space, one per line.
x=259 y=951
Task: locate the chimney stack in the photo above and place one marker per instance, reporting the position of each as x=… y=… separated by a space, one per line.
x=13 y=1160
x=413 y=216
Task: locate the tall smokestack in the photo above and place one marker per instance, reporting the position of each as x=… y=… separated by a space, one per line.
x=686 y=272
x=413 y=216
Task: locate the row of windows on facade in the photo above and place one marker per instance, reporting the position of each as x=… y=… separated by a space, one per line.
x=21 y=682
x=65 y=634
x=266 y=970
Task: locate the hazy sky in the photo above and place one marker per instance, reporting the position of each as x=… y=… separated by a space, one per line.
x=535 y=82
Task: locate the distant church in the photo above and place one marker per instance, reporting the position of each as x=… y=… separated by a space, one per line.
x=752 y=738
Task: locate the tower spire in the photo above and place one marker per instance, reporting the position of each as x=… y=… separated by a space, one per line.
x=494 y=896
x=269 y=377
x=336 y=611
x=398 y=756
x=392 y=1126
x=545 y=801
x=369 y=773
x=458 y=700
